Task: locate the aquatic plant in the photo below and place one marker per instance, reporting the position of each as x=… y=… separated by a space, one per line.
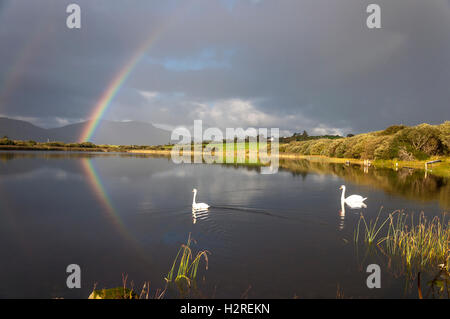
x=186 y=274
x=419 y=244
x=439 y=286
x=371 y=229
x=113 y=293
x=124 y=292
x=184 y=278
x=424 y=243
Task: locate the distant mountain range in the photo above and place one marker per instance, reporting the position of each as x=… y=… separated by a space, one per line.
x=108 y=132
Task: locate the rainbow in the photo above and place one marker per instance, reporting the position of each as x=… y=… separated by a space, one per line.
x=114 y=87
x=111 y=213
x=116 y=84
x=102 y=195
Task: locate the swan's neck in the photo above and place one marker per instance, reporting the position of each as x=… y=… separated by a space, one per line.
x=343 y=194
x=193 y=200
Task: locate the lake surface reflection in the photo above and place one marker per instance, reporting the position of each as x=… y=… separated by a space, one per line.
x=277 y=236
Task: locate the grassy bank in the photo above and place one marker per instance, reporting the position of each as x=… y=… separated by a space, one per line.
x=397 y=143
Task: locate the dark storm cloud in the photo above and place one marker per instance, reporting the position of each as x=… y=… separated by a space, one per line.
x=291 y=64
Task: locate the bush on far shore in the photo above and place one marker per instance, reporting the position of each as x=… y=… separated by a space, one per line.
x=398 y=141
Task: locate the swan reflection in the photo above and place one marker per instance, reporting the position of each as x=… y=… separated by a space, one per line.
x=342 y=217
x=199 y=215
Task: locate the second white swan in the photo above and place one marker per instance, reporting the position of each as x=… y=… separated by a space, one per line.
x=353 y=201
x=198 y=206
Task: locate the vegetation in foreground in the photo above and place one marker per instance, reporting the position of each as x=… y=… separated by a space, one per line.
x=113 y=293
x=424 y=245
x=418 y=244
x=421 y=247
x=186 y=274
x=181 y=278
x=439 y=286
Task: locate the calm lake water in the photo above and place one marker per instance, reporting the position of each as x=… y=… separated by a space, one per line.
x=275 y=236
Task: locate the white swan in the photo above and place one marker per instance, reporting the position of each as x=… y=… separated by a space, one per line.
x=198 y=206
x=353 y=201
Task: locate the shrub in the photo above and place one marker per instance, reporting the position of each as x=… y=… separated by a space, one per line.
x=397 y=141
x=58 y=144
x=318 y=147
x=6 y=141
x=404 y=155
x=444 y=136
x=391 y=130
x=340 y=149
x=87 y=145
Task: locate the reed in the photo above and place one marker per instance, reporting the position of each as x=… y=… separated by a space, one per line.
x=422 y=243
x=371 y=229
x=184 y=278
x=188 y=264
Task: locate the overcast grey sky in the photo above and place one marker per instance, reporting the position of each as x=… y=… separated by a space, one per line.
x=306 y=64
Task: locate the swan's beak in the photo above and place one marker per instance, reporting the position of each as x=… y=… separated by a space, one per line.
x=340 y=187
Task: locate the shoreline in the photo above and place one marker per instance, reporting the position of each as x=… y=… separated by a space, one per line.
x=440 y=169
x=52 y=148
